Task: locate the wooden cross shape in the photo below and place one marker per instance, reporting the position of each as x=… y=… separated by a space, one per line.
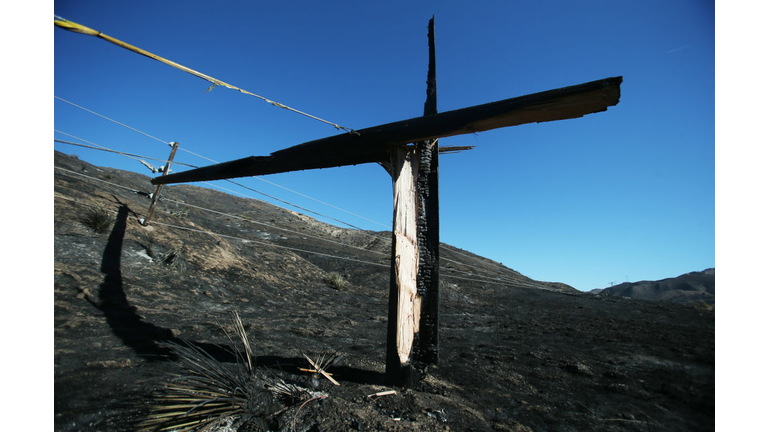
x=409 y=150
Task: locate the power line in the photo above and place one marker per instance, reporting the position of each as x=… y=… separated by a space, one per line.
x=102 y=148
x=105 y=149
x=294 y=205
x=215 y=211
x=475 y=279
x=272 y=226
x=245 y=240
x=134 y=156
x=271 y=244
x=499 y=277
x=71 y=26
x=321 y=202
x=78 y=28
x=92 y=145
x=129 y=127
x=113 y=121
x=231 y=181
x=492 y=273
x=501 y=280
x=480 y=270
x=103 y=181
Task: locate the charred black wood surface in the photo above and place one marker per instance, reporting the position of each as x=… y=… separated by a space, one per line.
x=374 y=144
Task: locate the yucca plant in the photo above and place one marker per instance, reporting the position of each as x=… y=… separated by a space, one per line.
x=204 y=396
x=99 y=219
x=176 y=259
x=209 y=396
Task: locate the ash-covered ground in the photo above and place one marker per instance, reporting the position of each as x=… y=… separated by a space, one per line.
x=521 y=355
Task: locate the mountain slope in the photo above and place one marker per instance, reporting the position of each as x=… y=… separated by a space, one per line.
x=186 y=208
x=686 y=289
x=515 y=354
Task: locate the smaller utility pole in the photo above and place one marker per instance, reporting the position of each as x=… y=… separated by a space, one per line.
x=156 y=195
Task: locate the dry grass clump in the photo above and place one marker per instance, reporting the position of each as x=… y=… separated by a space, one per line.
x=336 y=281
x=703 y=306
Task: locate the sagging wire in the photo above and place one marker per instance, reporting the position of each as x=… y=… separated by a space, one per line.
x=78 y=28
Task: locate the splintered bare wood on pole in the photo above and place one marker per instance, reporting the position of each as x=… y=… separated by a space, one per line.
x=404 y=300
x=374 y=145
x=155 y=197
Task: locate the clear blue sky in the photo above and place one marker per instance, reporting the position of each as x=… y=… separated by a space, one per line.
x=623 y=195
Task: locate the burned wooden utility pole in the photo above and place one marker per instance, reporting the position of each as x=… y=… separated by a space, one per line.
x=429 y=222
x=412 y=327
x=409 y=150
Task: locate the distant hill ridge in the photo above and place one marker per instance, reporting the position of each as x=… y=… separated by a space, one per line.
x=685 y=289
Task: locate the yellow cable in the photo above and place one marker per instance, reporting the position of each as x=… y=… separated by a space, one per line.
x=79 y=28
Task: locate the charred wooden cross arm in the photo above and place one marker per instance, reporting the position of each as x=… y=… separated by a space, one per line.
x=374 y=144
